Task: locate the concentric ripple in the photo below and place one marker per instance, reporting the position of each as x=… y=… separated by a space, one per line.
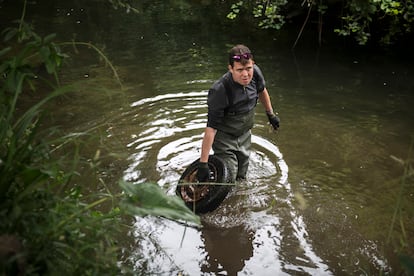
x=257 y=219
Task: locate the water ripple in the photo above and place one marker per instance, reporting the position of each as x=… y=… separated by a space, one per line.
x=258 y=215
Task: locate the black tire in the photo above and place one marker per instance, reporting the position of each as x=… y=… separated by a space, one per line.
x=205 y=198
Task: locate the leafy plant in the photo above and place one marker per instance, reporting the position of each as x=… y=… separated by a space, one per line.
x=49 y=224
x=55 y=230
x=235 y=10
x=149 y=199
x=388 y=20
x=397 y=232
x=270 y=15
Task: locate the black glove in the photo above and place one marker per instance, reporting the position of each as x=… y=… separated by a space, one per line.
x=273 y=120
x=203 y=172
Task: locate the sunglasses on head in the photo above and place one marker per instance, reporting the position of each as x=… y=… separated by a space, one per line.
x=239 y=57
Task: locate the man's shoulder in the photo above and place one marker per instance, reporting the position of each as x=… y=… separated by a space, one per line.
x=257 y=70
x=222 y=82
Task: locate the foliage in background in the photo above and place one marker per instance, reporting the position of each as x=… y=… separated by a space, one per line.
x=50 y=224
x=385 y=21
x=389 y=18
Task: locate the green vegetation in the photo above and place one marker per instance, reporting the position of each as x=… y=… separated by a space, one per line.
x=383 y=21
x=50 y=224
x=398 y=237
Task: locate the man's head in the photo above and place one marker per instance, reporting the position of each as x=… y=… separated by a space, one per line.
x=241 y=64
x=240 y=53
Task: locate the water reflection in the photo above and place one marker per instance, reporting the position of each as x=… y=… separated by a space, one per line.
x=228 y=249
x=343 y=115
x=256 y=230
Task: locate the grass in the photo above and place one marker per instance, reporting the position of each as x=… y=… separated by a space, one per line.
x=50 y=224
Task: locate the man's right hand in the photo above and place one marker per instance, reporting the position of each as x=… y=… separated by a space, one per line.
x=203 y=172
x=273 y=120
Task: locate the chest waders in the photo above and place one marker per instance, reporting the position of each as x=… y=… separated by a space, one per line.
x=230 y=161
x=233 y=140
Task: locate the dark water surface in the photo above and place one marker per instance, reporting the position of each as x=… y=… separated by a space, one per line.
x=321 y=193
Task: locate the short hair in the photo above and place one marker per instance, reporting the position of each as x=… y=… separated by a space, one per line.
x=238 y=50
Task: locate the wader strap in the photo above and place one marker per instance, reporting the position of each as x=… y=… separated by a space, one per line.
x=229 y=94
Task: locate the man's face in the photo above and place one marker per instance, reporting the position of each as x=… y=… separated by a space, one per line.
x=242 y=74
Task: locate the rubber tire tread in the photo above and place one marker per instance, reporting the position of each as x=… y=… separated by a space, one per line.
x=217 y=193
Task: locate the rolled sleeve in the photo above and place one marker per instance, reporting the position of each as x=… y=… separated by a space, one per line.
x=260 y=81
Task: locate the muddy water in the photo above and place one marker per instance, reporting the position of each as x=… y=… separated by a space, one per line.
x=321 y=192
x=323 y=215
x=247 y=232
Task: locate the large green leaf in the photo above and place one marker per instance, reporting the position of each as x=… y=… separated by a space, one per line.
x=149 y=199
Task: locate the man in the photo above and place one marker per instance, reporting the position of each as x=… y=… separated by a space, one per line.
x=231 y=102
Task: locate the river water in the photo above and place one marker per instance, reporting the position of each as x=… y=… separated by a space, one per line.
x=321 y=192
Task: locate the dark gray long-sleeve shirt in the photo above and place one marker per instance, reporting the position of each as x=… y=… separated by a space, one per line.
x=228 y=98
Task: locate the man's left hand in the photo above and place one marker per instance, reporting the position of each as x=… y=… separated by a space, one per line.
x=273 y=120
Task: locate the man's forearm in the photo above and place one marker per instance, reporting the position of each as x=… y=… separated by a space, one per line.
x=207 y=143
x=265 y=100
